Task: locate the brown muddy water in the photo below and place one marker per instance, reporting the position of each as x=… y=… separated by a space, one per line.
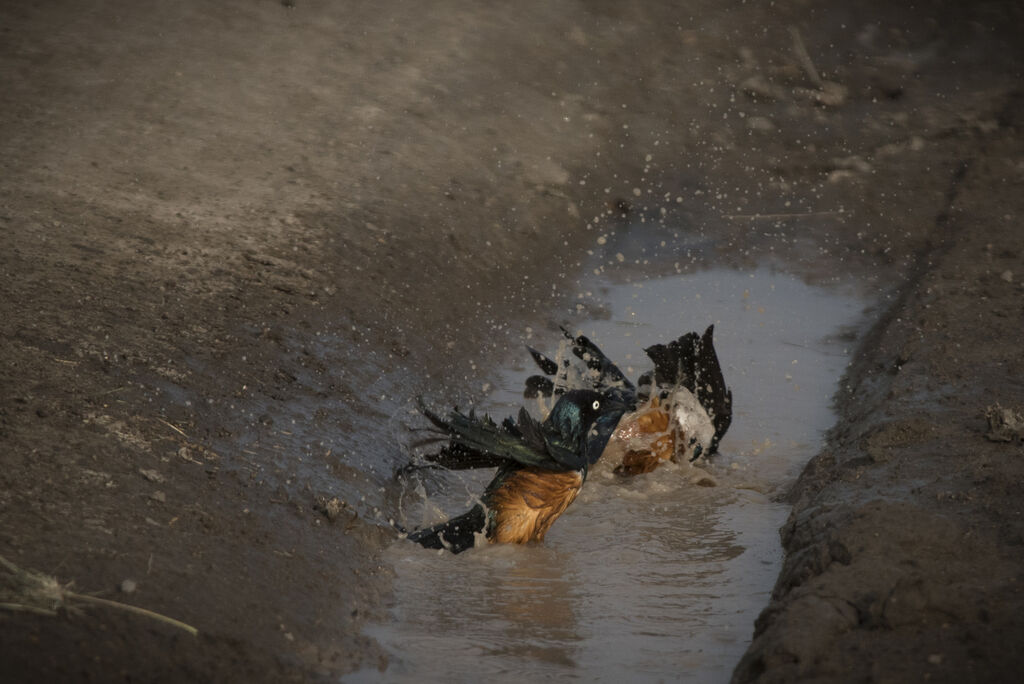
x=657 y=578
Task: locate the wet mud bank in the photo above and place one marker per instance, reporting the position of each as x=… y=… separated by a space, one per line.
x=904 y=546
x=238 y=238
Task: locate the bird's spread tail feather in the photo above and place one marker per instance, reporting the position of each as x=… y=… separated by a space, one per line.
x=456 y=535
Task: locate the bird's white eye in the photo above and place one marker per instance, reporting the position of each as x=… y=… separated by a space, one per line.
x=596 y=405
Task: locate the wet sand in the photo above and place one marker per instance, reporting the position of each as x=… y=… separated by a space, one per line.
x=195 y=197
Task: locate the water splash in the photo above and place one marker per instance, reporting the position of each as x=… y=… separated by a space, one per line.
x=652 y=578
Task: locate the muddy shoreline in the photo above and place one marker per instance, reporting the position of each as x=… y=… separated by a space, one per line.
x=239 y=238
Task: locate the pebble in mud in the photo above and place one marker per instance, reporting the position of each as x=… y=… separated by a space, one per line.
x=1004 y=424
x=151 y=475
x=760 y=123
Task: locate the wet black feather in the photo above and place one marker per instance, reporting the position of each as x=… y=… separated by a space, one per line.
x=546 y=365
x=538 y=386
x=456 y=535
x=689 y=361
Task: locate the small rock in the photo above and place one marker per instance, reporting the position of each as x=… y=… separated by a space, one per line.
x=1007 y=275
x=158 y=496
x=333 y=508
x=832 y=94
x=547 y=172
x=703 y=479
x=186 y=454
x=758 y=87
x=840 y=175
x=852 y=163
x=151 y=475
x=760 y=123
x=1004 y=424
x=129 y=586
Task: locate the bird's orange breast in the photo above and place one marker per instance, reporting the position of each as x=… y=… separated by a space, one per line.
x=528 y=502
x=644 y=439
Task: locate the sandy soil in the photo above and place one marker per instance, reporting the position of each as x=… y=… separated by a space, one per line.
x=223 y=222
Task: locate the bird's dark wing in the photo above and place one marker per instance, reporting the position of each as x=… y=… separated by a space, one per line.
x=560 y=451
x=605 y=376
x=538 y=386
x=480 y=441
x=531 y=431
x=691 y=362
x=546 y=365
x=608 y=374
x=564 y=457
x=712 y=392
x=456 y=535
x=459 y=457
x=675 y=362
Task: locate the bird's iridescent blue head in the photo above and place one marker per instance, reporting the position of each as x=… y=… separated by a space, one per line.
x=576 y=410
x=590 y=417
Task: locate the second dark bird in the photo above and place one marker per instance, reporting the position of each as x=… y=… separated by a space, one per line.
x=682 y=408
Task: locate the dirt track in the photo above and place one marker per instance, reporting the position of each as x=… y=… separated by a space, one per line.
x=216 y=214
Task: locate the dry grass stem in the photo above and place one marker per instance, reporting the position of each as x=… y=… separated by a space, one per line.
x=33 y=592
x=173 y=427
x=804 y=214
x=805 y=59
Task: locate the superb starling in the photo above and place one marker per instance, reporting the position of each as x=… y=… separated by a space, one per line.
x=541 y=467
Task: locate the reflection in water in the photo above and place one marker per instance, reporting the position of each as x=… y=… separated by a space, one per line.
x=533 y=600
x=652 y=578
x=487 y=612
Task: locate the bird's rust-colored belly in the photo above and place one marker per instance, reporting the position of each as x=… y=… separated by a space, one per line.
x=643 y=440
x=528 y=502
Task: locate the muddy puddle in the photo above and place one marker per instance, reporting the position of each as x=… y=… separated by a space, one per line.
x=655 y=578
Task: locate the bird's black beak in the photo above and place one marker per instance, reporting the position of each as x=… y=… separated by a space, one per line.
x=602 y=429
x=615 y=406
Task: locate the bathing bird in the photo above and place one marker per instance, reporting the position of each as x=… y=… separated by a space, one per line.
x=683 y=407
x=542 y=466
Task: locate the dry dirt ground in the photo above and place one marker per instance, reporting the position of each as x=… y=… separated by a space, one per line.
x=230 y=229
